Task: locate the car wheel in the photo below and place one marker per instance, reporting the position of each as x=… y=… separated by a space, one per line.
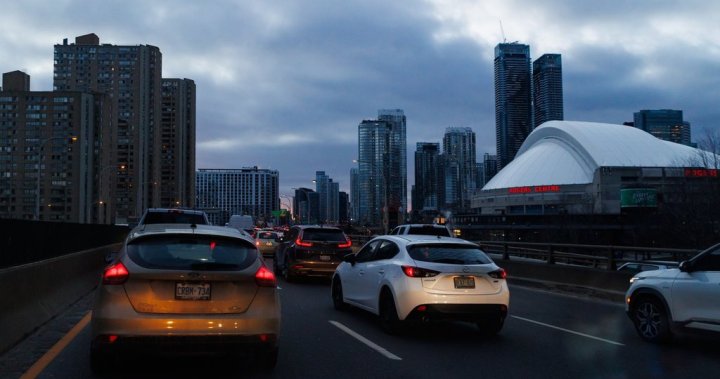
x=267 y=360
x=100 y=361
x=651 y=320
x=389 y=321
x=491 y=327
x=337 y=294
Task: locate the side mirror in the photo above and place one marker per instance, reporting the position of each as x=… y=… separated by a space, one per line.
x=111 y=256
x=685 y=266
x=350 y=258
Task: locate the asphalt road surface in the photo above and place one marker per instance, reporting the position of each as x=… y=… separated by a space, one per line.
x=547 y=335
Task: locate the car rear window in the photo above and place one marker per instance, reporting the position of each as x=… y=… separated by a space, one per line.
x=429 y=231
x=324 y=235
x=450 y=253
x=267 y=235
x=174 y=218
x=192 y=252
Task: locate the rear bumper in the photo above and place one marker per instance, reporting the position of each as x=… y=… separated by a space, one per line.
x=459 y=312
x=186 y=345
x=313 y=268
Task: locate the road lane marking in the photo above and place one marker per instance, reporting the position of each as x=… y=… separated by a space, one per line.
x=568 y=331
x=366 y=341
x=54 y=351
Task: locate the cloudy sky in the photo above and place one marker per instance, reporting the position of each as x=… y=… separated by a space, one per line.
x=283 y=84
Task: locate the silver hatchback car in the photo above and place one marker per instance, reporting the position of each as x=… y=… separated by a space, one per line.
x=186 y=289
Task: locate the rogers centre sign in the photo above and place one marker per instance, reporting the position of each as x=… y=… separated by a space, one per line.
x=534 y=189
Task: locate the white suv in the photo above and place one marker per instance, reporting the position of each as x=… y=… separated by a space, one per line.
x=662 y=301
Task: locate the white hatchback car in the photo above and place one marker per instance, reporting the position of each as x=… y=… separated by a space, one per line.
x=416 y=277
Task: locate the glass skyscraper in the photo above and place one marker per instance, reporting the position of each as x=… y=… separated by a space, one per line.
x=513 y=109
x=460 y=156
x=427 y=164
x=666 y=124
x=547 y=89
x=382 y=169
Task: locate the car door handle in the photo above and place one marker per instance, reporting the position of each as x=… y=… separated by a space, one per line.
x=381 y=272
x=361 y=272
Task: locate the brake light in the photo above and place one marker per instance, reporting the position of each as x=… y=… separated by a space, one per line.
x=345 y=245
x=302 y=243
x=115 y=274
x=265 y=278
x=498 y=274
x=417 y=272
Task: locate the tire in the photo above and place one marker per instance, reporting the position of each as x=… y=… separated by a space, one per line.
x=389 y=321
x=651 y=320
x=286 y=274
x=267 y=360
x=101 y=362
x=336 y=293
x=491 y=327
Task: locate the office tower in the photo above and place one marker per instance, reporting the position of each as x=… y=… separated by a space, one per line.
x=666 y=124
x=305 y=206
x=489 y=168
x=343 y=207
x=373 y=141
x=397 y=163
x=328 y=198
x=513 y=114
x=427 y=168
x=547 y=89
x=177 y=144
x=459 y=153
x=246 y=191
x=354 y=193
x=131 y=77
x=47 y=158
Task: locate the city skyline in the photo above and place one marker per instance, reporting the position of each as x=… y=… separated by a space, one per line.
x=284 y=86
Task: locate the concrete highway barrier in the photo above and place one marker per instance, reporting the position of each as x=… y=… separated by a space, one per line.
x=34 y=293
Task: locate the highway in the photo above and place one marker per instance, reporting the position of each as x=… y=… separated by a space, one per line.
x=547 y=335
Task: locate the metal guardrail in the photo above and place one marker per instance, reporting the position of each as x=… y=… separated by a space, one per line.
x=607 y=257
x=597 y=256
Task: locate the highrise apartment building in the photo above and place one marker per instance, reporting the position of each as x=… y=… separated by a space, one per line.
x=666 y=124
x=382 y=169
x=397 y=162
x=47 y=152
x=246 y=191
x=131 y=77
x=460 y=157
x=547 y=89
x=328 y=196
x=513 y=109
x=427 y=171
x=177 y=144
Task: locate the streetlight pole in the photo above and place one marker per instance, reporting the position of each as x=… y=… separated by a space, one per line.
x=41 y=145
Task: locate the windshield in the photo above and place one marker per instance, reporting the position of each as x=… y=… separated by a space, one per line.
x=450 y=253
x=191 y=252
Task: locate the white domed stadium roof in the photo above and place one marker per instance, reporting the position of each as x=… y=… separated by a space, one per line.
x=569 y=152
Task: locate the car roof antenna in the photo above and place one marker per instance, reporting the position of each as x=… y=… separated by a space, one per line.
x=193 y=226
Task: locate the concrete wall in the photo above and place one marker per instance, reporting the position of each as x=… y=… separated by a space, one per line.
x=32 y=294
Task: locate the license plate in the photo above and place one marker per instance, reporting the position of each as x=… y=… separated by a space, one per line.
x=464 y=282
x=325 y=258
x=192 y=291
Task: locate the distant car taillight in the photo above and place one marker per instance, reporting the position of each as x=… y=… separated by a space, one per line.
x=265 y=278
x=302 y=243
x=115 y=274
x=498 y=274
x=346 y=244
x=417 y=272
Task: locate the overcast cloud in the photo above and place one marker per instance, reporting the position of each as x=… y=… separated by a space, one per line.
x=284 y=84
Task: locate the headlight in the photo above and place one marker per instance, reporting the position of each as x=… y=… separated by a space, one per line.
x=635 y=279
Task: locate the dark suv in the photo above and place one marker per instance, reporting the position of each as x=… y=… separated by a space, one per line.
x=310 y=250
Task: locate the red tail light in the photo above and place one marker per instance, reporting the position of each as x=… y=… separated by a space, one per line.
x=417 y=272
x=302 y=243
x=115 y=274
x=498 y=274
x=348 y=243
x=265 y=278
